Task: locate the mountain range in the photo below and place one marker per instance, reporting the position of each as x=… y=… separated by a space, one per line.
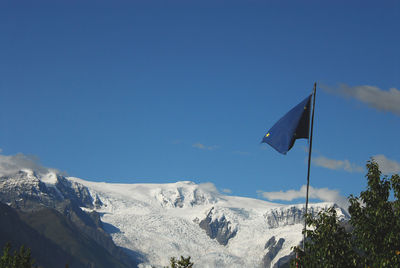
x=98 y=224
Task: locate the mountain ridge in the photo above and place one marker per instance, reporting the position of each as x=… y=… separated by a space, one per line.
x=234 y=229
x=158 y=221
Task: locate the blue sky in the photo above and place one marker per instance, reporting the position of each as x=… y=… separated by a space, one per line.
x=161 y=91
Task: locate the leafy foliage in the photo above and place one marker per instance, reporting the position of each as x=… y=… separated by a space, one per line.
x=376 y=221
x=182 y=263
x=20 y=259
x=375 y=238
x=327 y=244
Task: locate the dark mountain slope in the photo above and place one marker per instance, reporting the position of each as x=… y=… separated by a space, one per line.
x=14 y=230
x=70 y=239
x=53 y=210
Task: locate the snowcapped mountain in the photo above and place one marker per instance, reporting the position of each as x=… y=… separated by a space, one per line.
x=160 y=221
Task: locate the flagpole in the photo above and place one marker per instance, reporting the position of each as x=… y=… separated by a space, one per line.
x=309 y=162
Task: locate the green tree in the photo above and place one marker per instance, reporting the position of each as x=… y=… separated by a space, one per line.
x=327 y=244
x=6 y=259
x=23 y=258
x=20 y=259
x=375 y=238
x=182 y=263
x=376 y=220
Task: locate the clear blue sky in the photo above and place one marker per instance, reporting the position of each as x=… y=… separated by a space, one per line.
x=161 y=91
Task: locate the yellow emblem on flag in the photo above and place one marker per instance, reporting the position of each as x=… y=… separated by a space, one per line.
x=266 y=135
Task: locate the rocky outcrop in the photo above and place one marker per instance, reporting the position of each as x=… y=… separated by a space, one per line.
x=75 y=191
x=54 y=195
x=22 y=188
x=270 y=243
x=26 y=190
x=295 y=214
x=273 y=248
x=218 y=228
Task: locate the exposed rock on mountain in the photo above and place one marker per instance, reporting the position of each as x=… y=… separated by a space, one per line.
x=291 y=215
x=273 y=248
x=220 y=229
x=56 y=198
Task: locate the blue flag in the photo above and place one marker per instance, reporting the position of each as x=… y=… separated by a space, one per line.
x=292 y=126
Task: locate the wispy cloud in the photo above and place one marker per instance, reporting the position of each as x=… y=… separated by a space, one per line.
x=384 y=100
x=10 y=164
x=346 y=165
x=202 y=146
x=209 y=187
x=323 y=194
x=227 y=191
x=387 y=165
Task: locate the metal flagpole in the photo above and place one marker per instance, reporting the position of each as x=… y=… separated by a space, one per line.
x=309 y=162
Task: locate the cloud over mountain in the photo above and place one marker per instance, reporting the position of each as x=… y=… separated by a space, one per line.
x=10 y=164
x=323 y=194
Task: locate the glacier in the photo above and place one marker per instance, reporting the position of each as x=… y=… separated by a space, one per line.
x=164 y=220
x=161 y=221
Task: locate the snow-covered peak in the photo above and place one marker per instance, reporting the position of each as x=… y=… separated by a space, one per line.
x=49 y=178
x=45 y=188
x=182 y=194
x=29 y=173
x=26 y=175
x=22 y=178
x=183 y=218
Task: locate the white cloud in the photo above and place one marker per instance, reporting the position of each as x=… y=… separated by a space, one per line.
x=227 y=191
x=201 y=146
x=209 y=187
x=322 y=161
x=323 y=194
x=385 y=100
x=387 y=165
x=10 y=164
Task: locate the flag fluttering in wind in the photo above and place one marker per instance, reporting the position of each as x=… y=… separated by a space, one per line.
x=298 y=123
x=292 y=126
